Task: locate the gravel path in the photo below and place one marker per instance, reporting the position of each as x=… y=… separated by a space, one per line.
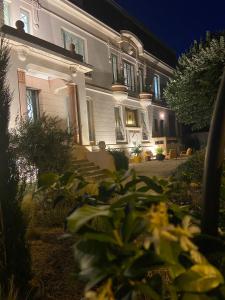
x=157 y=168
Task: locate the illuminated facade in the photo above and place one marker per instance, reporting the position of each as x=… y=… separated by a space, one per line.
x=93 y=66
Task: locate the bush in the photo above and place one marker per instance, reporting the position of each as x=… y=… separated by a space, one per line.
x=41 y=144
x=192 y=169
x=120 y=159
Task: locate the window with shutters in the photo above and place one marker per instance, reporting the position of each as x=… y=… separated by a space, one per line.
x=70 y=38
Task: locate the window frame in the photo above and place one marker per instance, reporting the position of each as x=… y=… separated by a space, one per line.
x=141 y=79
x=27 y=13
x=114 y=71
x=37 y=104
x=120 y=109
x=136 y=119
x=130 y=78
x=75 y=35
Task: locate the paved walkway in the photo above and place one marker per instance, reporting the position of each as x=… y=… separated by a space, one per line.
x=157 y=168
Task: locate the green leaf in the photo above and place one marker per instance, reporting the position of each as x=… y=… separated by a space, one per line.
x=190 y=296
x=101 y=237
x=146 y=290
x=199 y=279
x=83 y=215
x=47 y=179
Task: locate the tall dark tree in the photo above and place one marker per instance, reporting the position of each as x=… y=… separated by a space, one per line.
x=14 y=254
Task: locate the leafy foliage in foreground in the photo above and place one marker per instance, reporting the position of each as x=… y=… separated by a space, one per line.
x=120 y=159
x=192 y=91
x=139 y=246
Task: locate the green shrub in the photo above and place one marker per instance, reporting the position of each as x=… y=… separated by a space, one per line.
x=192 y=169
x=42 y=145
x=120 y=159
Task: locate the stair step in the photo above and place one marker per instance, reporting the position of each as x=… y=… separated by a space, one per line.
x=92 y=173
x=85 y=168
x=83 y=165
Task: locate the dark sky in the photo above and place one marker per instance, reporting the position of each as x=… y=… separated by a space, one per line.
x=178 y=22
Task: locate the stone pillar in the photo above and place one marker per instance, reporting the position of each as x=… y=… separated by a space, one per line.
x=74 y=113
x=21 y=74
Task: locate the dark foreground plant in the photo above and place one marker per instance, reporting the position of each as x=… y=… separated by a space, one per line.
x=14 y=255
x=120 y=159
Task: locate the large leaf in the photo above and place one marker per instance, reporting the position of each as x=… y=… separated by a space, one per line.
x=146 y=290
x=84 y=214
x=47 y=179
x=199 y=279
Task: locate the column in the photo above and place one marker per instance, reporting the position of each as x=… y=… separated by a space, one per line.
x=21 y=74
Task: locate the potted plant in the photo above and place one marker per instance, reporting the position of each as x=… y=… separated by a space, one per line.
x=136 y=151
x=159 y=154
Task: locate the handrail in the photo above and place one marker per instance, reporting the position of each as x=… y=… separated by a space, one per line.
x=214 y=165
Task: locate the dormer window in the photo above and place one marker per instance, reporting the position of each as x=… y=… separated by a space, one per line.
x=25 y=18
x=70 y=38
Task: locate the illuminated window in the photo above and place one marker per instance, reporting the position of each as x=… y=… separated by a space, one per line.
x=6 y=8
x=156 y=83
x=120 y=134
x=144 y=127
x=69 y=38
x=25 y=17
x=115 y=68
x=129 y=77
x=32 y=104
x=131 y=118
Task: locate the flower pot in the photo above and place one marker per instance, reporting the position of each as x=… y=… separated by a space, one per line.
x=160 y=157
x=137 y=159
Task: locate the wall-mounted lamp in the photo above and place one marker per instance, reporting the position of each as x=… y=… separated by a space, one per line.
x=162 y=116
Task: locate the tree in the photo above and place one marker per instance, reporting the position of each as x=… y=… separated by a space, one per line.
x=14 y=255
x=192 y=91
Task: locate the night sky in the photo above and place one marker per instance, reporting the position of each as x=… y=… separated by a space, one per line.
x=177 y=23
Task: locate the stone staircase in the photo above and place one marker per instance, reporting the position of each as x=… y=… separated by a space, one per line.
x=88 y=170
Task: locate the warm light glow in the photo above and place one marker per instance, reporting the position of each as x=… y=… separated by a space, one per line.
x=162 y=116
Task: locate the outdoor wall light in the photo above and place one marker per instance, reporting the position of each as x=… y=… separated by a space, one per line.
x=162 y=116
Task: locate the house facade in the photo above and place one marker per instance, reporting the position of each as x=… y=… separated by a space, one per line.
x=93 y=66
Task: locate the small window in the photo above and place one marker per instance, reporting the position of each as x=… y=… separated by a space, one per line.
x=6 y=9
x=25 y=17
x=120 y=133
x=69 y=38
x=32 y=104
x=115 y=68
x=129 y=76
x=156 y=82
x=144 y=127
x=131 y=118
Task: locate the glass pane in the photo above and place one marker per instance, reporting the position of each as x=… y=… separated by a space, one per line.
x=24 y=16
x=6 y=13
x=32 y=104
x=119 y=125
x=69 y=38
x=156 y=87
x=114 y=68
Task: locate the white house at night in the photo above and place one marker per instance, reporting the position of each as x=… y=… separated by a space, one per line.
x=92 y=65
